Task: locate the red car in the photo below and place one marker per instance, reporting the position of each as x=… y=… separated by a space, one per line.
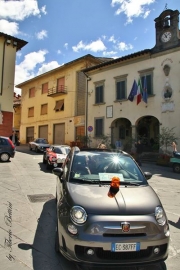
x=55 y=155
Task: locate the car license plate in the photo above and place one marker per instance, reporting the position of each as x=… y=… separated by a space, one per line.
x=125 y=247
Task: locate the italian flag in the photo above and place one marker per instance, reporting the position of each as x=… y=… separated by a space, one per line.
x=139 y=92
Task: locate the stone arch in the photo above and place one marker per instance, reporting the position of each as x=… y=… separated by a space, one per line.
x=121 y=129
x=147 y=130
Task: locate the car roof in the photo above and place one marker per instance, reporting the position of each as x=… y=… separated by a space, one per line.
x=76 y=150
x=4 y=137
x=56 y=145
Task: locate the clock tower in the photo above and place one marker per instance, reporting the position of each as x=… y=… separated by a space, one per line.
x=167 y=30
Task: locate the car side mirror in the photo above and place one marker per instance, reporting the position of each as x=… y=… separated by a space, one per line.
x=58 y=172
x=148 y=175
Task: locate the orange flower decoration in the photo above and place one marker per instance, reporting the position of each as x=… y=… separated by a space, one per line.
x=114 y=187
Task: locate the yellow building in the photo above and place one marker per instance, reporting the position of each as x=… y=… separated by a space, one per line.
x=113 y=115
x=9 y=45
x=53 y=104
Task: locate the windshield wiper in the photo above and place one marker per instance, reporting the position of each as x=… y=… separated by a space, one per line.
x=128 y=183
x=85 y=180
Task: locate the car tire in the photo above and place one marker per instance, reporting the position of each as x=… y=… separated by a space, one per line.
x=4 y=157
x=163 y=266
x=44 y=161
x=47 y=165
x=80 y=267
x=57 y=240
x=176 y=167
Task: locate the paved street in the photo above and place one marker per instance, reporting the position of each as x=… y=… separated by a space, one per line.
x=27 y=221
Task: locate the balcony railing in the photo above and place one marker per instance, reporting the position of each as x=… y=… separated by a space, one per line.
x=58 y=90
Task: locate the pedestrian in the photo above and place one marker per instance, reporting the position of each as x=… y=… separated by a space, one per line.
x=101 y=146
x=175 y=152
x=14 y=138
x=118 y=144
x=139 y=150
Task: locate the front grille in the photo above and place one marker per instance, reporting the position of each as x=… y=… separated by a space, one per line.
x=104 y=256
x=124 y=235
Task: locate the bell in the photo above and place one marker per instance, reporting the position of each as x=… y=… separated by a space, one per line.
x=166 y=22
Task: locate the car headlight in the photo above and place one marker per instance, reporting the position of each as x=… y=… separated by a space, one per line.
x=78 y=214
x=160 y=216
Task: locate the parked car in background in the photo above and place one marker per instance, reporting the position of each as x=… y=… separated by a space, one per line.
x=39 y=145
x=55 y=155
x=107 y=213
x=175 y=163
x=7 y=149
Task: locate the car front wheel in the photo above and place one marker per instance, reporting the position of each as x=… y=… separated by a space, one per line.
x=47 y=165
x=57 y=241
x=44 y=161
x=176 y=168
x=4 y=157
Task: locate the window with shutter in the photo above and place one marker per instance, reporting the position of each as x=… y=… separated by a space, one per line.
x=59 y=106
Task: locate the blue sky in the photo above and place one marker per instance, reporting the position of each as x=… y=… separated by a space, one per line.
x=59 y=31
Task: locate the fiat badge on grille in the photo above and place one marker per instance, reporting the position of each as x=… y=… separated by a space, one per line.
x=125 y=226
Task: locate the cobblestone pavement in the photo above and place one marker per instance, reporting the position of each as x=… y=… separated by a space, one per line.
x=27 y=221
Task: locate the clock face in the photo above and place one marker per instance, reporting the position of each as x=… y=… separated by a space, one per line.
x=166 y=36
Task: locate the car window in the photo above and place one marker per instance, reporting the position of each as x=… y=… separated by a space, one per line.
x=67 y=165
x=3 y=141
x=41 y=141
x=57 y=150
x=102 y=166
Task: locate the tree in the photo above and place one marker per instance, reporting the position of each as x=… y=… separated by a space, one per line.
x=166 y=137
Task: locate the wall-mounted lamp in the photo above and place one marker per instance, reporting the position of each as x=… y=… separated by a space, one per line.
x=8 y=41
x=88 y=79
x=14 y=43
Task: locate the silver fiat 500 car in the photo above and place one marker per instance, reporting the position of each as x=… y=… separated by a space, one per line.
x=107 y=213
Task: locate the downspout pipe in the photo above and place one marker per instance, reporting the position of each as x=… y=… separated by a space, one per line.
x=86 y=103
x=2 y=74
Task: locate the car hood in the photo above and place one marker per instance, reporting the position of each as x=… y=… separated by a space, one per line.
x=60 y=155
x=129 y=200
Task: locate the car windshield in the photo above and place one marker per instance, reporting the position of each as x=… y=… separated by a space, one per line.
x=42 y=141
x=57 y=150
x=101 y=166
x=65 y=150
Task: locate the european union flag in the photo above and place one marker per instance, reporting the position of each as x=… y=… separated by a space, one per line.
x=133 y=92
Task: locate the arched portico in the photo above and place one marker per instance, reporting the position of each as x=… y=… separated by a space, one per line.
x=146 y=128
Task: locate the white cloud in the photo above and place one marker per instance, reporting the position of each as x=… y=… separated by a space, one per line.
x=25 y=70
x=42 y=34
x=59 y=52
x=94 y=46
x=43 y=10
x=112 y=39
x=18 y=10
x=132 y=8
x=66 y=46
x=10 y=28
x=122 y=46
x=47 y=67
x=109 y=54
